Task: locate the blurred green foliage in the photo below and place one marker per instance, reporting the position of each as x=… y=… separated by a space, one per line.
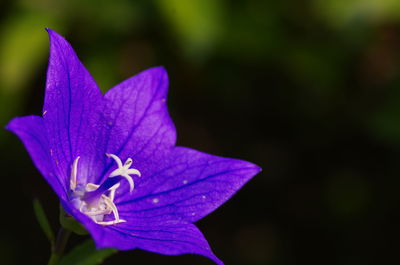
x=309 y=90
x=198 y=24
x=342 y=13
x=87 y=254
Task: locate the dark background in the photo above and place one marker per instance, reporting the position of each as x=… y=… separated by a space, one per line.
x=309 y=90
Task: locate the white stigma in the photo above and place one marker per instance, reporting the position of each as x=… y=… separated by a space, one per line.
x=97 y=209
x=124 y=170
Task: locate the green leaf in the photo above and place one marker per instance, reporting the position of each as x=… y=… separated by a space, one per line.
x=43 y=222
x=87 y=254
x=68 y=222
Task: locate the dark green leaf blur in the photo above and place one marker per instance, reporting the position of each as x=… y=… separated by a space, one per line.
x=309 y=90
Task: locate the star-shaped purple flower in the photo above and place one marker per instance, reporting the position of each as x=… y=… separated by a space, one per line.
x=112 y=160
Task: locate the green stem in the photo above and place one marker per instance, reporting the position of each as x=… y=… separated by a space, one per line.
x=58 y=249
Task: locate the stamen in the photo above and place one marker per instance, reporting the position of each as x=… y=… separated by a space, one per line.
x=72 y=180
x=94 y=213
x=111 y=222
x=96 y=201
x=91 y=187
x=111 y=204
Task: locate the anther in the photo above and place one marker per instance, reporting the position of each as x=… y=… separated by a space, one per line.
x=96 y=201
x=74 y=169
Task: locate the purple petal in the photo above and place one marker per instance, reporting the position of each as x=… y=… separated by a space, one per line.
x=70 y=108
x=188 y=184
x=156 y=235
x=167 y=239
x=160 y=235
x=31 y=131
x=139 y=125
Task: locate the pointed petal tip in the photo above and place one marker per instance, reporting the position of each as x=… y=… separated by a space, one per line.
x=158 y=70
x=12 y=126
x=15 y=122
x=54 y=37
x=53 y=34
x=258 y=169
x=8 y=126
x=50 y=31
x=161 y=68
x=253 y=170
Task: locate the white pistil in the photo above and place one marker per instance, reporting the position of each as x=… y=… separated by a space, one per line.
x=124 y=170
x=112 y=191
x=105 y=204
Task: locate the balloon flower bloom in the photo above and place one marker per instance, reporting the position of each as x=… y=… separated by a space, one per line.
x=112 y=160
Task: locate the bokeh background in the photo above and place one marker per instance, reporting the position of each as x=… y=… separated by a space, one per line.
x=309 y=90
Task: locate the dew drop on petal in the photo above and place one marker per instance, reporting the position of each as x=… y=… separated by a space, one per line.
x=203 y=197
x=156 y=200
x=185 y=181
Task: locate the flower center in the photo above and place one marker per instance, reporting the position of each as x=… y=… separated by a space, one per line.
x=97 y=201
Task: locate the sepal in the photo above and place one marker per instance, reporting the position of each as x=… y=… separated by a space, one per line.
x=70 y=223
x=43 y=221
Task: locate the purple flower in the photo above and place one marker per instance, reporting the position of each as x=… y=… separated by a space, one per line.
x=112 y=160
